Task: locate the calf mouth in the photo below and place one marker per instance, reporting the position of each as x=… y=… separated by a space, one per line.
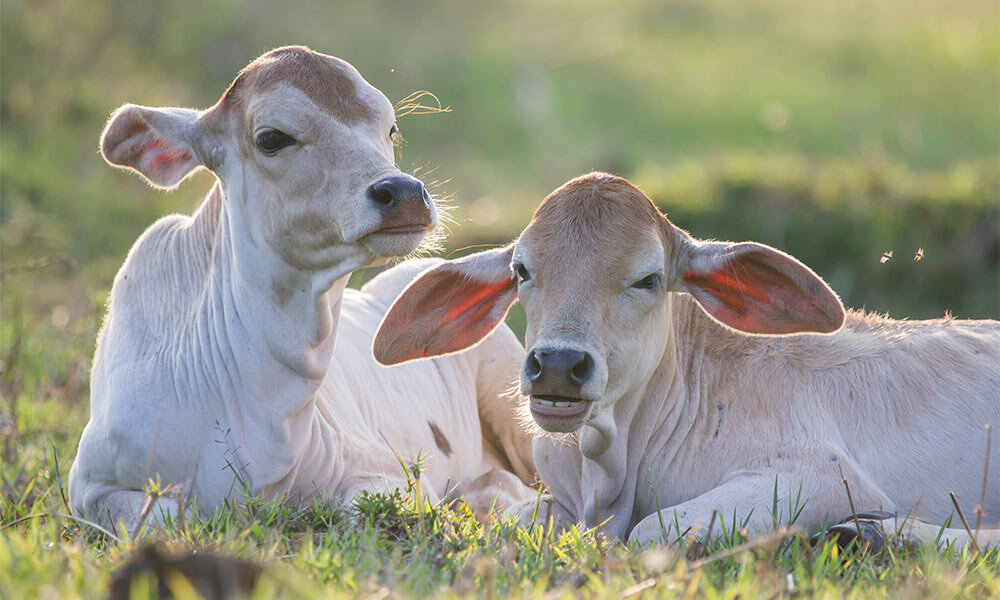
x=560 y=413
x=397 y=240
x=420 y=228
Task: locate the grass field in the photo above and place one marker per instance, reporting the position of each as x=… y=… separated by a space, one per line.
x=834 y=130
x=386 y=547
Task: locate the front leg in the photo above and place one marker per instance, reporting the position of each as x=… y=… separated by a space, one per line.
x=120 y=510
x=751 y=495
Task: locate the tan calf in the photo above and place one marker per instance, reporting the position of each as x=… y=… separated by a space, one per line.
x=638 y=345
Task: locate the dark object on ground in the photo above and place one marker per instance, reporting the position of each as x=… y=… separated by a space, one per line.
x=211 y=575
x=870 y=534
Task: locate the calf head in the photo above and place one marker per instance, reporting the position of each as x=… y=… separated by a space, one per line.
x=303 y=147
x=595 y=270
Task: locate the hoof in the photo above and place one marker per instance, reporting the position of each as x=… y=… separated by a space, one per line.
x=867 y=531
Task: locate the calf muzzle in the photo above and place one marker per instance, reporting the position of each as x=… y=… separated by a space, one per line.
x=556 y=377
x=558 y=371
x=403 y=201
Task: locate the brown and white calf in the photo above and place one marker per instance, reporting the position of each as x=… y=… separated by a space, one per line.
x=638 y=343
x=232 y=350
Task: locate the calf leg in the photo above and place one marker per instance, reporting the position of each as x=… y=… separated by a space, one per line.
x=119 y=510
x=752 y=496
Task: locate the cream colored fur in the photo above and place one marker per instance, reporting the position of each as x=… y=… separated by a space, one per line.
x=232 y=354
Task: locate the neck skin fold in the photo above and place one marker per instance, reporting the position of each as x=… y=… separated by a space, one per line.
x=263 y=338
x=615 y=445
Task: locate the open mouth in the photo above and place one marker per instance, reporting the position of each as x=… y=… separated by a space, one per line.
x=559 y=407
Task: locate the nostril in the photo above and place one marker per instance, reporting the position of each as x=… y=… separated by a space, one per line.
x=582 y=370
x=382 y=196
x=532 y=368
x=398 y=190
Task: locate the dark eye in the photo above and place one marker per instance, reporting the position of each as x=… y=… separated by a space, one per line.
x=271 y=140
x=394 y=135
x=522 y=273
x=649 y=282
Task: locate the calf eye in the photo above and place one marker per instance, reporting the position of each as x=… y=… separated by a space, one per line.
x=522 y=273
x=271 y=140
x=649 y=282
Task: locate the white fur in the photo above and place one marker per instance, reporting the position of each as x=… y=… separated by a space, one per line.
x=231 y=350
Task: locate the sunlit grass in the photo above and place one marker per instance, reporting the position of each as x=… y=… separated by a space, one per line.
x=388 y=542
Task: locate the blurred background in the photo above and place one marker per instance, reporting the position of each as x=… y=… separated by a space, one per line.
x=839 y=131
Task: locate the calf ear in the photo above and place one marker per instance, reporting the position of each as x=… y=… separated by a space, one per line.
x=448 y=308
x=756 y=289
x=156 y=142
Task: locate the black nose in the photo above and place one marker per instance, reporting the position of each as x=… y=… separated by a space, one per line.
x=386 y=194
x=558 y=372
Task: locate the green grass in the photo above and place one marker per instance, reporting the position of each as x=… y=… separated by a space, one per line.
x=387 y=542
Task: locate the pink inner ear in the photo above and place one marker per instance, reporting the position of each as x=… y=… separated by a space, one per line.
x=442 y=312
x=162 y=163
x=483 y=300
x=728 y=288
x=753 y=294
